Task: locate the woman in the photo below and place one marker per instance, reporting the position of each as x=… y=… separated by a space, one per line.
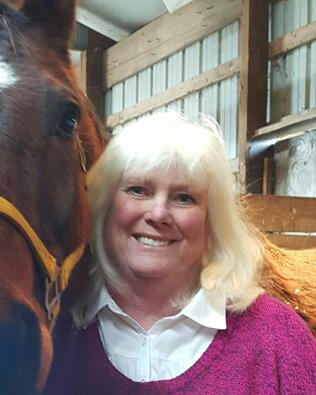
x=173 y=304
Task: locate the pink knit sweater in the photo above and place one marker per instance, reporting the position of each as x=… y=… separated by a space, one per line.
x=266 y=350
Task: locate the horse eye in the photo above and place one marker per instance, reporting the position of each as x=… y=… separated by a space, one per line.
x=68 y=121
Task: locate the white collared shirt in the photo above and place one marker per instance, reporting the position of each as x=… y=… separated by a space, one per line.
x=170 y=347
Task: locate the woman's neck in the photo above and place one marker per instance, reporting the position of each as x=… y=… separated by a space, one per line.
x=147 y=300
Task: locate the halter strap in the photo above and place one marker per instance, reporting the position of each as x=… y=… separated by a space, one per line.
x=57 y=277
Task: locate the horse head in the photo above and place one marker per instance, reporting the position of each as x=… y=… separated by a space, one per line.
x=48 y=136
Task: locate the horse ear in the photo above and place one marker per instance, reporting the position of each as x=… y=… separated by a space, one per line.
x=55 y=18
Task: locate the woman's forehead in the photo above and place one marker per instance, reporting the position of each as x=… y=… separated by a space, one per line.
x=174 y=176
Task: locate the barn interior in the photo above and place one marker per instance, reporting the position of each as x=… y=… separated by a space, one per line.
x=251 y=65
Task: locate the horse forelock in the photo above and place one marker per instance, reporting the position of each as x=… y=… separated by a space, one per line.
x=12 y=24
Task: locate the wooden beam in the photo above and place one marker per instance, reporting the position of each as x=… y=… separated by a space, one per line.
x=293 y=242
x=166 y=35
x=290 y=41
x=271 y=213
x=291 y=124
x=96 y=45
x=179 y=91
x=253 y=78
x=267 y=181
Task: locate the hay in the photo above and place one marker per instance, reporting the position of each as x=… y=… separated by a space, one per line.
x=290 y=276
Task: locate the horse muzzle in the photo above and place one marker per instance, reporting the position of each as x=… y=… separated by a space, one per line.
x=20 y=349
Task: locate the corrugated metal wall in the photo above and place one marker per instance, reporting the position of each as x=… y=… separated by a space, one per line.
x=218 y=100
x=292 y=77
x=292 y=89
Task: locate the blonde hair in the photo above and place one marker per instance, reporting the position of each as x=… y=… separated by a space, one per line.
x=197 y=149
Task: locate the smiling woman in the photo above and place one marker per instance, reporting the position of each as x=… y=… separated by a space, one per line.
x=156 y=229
x=172 y=304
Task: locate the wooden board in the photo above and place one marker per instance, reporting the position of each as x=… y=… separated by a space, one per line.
x=270 y=213
x=166 y=35
x=96 y=44
x=292 y=40
x=293 y=242
x=253 y=81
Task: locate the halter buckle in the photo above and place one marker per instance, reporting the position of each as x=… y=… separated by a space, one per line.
x=52 y=297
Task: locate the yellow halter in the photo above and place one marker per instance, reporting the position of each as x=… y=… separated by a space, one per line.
x=57 y=277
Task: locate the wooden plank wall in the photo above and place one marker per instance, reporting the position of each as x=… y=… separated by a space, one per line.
x=289 y=222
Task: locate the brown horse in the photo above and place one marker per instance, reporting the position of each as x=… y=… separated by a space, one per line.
x=44 y=123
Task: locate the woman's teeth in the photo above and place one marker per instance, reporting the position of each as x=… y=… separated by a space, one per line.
x=152 y=242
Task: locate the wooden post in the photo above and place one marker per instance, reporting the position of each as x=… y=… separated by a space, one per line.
x=96 y=45
x=253 y=85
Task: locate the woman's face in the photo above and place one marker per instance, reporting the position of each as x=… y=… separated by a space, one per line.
x=156 y=227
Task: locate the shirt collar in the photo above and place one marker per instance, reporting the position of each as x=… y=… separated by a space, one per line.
x=206 y=308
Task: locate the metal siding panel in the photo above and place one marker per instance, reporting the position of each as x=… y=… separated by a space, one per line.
x=234 y=116
x=108 y=102
x=176 y=106
x=229 y=114
x=191 y=69
x=209 y=60
x=117 y=98
x=224 y=111
x=144 y=84
x=229 y=42
x=159 y=77
x=280 y=89
x=277 y=19
x=289 y=83
x=270 y=22
x=175 y=69
x=209 y=100
x=192 y=61
x=130 y=91
x=298 y=79
x=312 y=16
x=288 y=15
x=269 y=90
x=312 y=85
x=191 y=105
x=228 y=90
x=296 y=14
x=210 y=52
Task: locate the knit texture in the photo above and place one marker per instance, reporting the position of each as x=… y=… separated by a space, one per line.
x=266 y=350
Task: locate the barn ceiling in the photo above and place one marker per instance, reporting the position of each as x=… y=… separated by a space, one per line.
x=117 y=19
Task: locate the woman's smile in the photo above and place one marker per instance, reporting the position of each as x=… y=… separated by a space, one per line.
x=152 y=241
x=162 y=214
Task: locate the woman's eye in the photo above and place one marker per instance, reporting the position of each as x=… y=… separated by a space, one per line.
x=184 y=198
x=136 y=190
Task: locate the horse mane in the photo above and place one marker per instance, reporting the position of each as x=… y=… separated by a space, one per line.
x=12 y=22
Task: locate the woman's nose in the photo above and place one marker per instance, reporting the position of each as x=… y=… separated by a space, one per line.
x=158 y=212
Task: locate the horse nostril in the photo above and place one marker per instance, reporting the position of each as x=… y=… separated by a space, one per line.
x=19 y=351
